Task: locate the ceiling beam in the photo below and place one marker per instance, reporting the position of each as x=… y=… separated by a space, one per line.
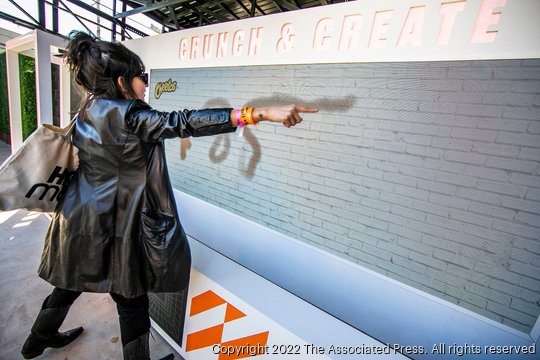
x=198 y=10
x=76 y=17
x=41 y=13
x=260 y=10
x=147 y=8
x=55 y=16
x=106 y=16
x=286 y=4
x=243 y=6
x=173 y=17
x=39 y=25
x=280 y=8
x=155 y=15
x=20 y=22
x=206 y=6
x=227 y=9
x=253 y=4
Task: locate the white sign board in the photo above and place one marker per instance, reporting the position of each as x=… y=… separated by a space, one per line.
x=358 y=31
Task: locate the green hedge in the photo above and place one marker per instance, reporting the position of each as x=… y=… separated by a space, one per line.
x=27 y=76
x=27 y=72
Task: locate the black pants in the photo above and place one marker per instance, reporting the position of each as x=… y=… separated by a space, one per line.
x=133 y=313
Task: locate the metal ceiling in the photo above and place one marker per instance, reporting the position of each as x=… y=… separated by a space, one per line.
x=185 y=14
x=173 y=15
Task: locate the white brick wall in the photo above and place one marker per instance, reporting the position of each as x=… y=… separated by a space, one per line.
x=426 y=172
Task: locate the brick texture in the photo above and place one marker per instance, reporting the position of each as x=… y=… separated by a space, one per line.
x=428 y=173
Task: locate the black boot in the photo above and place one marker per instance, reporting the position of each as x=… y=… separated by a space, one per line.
x=139 y=349
x=45 y=333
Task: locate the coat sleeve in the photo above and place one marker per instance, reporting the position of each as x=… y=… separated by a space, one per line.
x=154 y=126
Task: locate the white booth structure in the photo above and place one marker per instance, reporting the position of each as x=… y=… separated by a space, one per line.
x=254 y=289
x=408 y=173
x=44 y=48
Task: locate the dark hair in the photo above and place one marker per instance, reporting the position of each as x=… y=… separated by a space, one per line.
x=96 y=66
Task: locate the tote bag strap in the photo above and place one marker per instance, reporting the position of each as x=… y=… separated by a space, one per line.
x=65 y=131
x=71 y=126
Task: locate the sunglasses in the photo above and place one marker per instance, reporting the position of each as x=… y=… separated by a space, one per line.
x=144 y=78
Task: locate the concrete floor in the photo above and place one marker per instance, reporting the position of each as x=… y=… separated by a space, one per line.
x=22 y=293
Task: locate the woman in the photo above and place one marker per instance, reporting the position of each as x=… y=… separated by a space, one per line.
x=117 y=230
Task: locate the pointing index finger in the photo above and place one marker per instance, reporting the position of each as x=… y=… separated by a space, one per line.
x=301 y=108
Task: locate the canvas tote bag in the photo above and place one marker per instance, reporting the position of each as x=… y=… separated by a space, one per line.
x=36 y=176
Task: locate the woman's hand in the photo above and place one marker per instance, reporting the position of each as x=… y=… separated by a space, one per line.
x=288 y=115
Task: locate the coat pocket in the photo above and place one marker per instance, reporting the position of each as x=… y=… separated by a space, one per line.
x=157 y=235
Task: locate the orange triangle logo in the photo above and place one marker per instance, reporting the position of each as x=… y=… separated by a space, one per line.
x=233 y=313
x=205 y=301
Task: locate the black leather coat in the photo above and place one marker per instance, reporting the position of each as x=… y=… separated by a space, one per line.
x=118 y=229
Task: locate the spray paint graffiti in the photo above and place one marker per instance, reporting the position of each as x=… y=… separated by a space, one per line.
x=220 y=148
x=213 y=152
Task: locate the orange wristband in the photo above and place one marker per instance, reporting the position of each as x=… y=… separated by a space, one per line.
x=246 y=115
